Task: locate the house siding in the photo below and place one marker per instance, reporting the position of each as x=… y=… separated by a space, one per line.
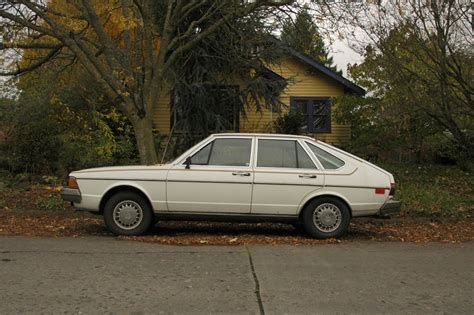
x=161 y=118
x=305 y=82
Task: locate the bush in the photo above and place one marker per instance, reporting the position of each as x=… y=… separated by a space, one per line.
x=46 y=138
x=290 y=123
x=434 y=191
x=51 y=201
x=33 y=143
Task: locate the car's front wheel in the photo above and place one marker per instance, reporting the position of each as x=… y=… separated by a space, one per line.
x=326 y=217
x=128 y=213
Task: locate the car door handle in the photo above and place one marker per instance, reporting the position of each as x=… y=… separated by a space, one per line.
x=241 y=173
x=307 y=176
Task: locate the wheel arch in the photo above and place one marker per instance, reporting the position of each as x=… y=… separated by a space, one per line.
x=121 y=188
x=322 y=195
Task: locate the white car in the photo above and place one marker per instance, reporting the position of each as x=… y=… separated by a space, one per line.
x=240 y=177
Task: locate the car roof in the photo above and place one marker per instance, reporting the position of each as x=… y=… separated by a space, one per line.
x=267 y=135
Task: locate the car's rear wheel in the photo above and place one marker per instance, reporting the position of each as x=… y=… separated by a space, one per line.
x=326 y=217
x=128 y=213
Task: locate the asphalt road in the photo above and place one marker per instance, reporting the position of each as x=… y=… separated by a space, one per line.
x=97 y=275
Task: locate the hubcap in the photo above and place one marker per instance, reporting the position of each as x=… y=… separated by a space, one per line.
x=327 y=217
x=128 y=214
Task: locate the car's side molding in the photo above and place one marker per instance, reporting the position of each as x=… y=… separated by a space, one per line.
x=288 y=184
x=362 y=187
x=128 y=180
x=207 y=181
x=224 y=216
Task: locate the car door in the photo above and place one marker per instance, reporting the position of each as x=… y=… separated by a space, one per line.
x=219 y=178
x=284 y=174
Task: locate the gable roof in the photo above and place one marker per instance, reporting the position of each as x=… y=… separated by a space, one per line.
x=349 y=85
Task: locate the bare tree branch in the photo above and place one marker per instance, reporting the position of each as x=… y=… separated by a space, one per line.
x=36 y=65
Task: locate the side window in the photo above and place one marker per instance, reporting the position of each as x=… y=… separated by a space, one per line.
x=202 y=156
x=282 y=153
x=304 y=161
x=224 y=152
x=329 y=161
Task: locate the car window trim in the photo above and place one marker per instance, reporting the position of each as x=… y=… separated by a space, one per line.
x=210 y=153
x=323 y=168
x=306 y=150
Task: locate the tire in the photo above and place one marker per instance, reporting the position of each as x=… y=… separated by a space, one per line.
x=326 y=217
x=128 y=213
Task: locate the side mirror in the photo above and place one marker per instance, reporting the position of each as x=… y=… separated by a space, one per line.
x=188 y=163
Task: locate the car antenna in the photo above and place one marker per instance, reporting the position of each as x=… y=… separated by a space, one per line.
x=170 y=134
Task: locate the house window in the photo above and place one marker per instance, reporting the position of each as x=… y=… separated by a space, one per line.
x=222 y=109
x=316 y=112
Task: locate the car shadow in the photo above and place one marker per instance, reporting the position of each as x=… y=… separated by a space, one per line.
x=171 y=228
x=254 y=230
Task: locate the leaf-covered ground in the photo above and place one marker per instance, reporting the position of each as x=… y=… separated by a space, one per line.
x=55 y=224
x=438 y=206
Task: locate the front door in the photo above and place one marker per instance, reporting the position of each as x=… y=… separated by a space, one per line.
x=219 y=179
x=284 y=175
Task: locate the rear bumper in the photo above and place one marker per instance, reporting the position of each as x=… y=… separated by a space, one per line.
x=71 y=194
x=390 y=207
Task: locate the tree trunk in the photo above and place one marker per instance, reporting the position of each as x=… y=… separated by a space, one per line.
x=145 y=140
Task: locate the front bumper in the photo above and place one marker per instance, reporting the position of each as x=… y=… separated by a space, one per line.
x=390 y=207
x=71 y=194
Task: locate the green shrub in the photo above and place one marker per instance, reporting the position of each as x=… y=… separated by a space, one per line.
x=435 y=191
x=51 y=201
x=290 y=123
x=33 y=143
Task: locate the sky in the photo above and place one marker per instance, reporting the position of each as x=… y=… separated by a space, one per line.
x=343 y=55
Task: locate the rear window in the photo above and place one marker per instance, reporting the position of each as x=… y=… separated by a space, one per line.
x=329 y=161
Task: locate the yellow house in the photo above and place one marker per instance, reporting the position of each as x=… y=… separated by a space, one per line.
x=311 y=88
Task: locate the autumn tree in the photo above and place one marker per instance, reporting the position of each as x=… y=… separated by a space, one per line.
x=129 y=47
x=419 y=63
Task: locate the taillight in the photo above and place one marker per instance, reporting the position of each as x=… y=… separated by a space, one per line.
x=392 y=189
x=380 y=191
x=72 y=182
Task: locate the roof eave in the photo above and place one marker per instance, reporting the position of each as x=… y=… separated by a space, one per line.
x=349 y=85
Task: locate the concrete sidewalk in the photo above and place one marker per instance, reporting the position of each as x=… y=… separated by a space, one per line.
x=97 y=275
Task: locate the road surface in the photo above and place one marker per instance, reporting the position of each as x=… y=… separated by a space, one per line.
x=102 y=274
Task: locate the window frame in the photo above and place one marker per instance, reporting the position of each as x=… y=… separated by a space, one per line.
x=308 y=114
x=316 y=168
x=201 y=146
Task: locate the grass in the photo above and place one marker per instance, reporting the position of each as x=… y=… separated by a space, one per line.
x=435 y=191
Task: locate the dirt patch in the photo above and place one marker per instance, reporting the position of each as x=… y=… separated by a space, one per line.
x=68 y=223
